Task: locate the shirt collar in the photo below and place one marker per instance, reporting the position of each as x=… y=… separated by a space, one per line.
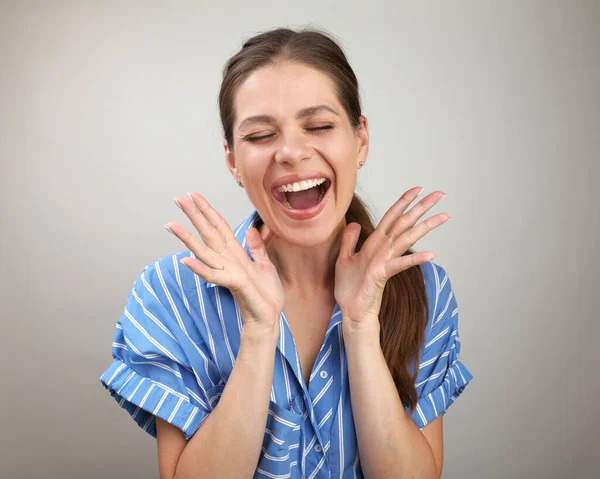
x=252 y=221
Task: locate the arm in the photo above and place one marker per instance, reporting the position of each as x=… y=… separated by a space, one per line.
x=390 y=443
x=236 y=426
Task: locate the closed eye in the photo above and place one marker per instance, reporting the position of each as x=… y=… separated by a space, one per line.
x=257 y=138
x=263 y=137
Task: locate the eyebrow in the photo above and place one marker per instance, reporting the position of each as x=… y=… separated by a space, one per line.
x=303 y=113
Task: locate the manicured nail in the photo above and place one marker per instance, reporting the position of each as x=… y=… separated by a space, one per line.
x=169 y=230
x=191 y=199
x=420 y=191
x=177 y=203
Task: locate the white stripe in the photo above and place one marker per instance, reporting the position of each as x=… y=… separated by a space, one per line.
x=325 y=418
x=433 y=404
x=146 y=396
x=160 y=403
x=430 y=378
x=437 y=293
x=154 y=319
x=115 y=373
x=275 y=458
x=148 y=421
x=283 y=421
x=131 y=374
x=169 y=297
x=135 y=390
x=211 y=342
x=323 y=391
x=172 y=416
x=319 y=466
x=323 y=359
x=150 y=338
x=420 y=411
x=432 y=360
x=450 y=296
x=192 y=416
x=355 y=464
x=439 y=336
x=275 y=439
x=340 y=407
x=273 y=476
x=158 y=365
x=222 y=320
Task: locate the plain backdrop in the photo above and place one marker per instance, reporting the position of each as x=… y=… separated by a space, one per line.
x=108 y=110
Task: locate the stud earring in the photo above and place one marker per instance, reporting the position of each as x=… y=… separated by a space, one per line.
x=361 y=163
x=239 y=183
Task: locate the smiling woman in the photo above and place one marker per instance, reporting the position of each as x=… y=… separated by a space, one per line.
x=309 y=343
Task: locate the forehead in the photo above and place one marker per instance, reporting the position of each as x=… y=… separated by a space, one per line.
x=283 y=89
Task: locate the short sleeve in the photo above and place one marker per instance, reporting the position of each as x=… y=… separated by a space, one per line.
x=442 y=377
x=150 y=375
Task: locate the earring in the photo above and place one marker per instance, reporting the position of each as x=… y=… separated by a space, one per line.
x=361 y=163
x=239 y=183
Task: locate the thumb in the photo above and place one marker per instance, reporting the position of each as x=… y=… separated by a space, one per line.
x=349 y=239
x=256 y=246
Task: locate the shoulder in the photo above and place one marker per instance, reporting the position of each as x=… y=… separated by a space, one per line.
x=167 y=276
x=437 y=282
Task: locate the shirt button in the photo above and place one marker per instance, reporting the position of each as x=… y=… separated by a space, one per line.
x=318 y=448
x=323 y=374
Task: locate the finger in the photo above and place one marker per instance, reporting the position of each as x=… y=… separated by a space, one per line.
x=349 y=239
x=216 y=276
x=408 y=219
x=388 y=220
x=256 y=246
x=209 y=234
x=407 y=240
x=200 y=250
x=396 y=265
x=213 y=216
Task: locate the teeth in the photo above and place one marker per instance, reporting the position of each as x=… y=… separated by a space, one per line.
x=287 y=203
x=301 y=185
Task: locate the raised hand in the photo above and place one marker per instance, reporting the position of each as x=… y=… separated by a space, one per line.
x=221 y=259
x=360 y=278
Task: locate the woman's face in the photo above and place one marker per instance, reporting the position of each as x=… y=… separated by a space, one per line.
x=289 y=126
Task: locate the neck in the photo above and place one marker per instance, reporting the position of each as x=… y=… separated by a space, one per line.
x=304 y=269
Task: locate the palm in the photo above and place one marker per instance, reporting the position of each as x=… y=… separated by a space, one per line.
x=222 y=260
x=360 y=278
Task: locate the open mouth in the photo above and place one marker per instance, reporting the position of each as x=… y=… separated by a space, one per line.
x=303 y=199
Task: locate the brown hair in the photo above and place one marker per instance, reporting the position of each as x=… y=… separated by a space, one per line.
x=404 y=308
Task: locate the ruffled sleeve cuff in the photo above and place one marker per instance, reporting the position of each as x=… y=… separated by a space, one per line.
x=145 y=399
x=439 y=400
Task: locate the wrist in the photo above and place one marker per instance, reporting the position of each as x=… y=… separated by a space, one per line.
x=260 y=334
x=353 y=328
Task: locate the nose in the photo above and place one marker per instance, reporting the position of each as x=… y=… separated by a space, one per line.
x=292 y=149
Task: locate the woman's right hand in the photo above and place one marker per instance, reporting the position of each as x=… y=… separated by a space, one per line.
x=222 y=260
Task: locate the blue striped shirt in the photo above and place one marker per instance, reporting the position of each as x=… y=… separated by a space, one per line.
x=177 y=340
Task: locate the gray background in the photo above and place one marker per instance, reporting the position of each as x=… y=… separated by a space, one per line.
x=108 y=110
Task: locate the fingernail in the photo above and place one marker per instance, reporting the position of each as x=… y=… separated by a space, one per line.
x=177 y=203
x=169 y=230
x=191 y=199
x=420 y=191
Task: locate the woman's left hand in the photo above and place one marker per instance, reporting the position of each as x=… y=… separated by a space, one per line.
x=360 y=278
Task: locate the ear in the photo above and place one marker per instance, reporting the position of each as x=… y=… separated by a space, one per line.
x=230 y=160
x=362 y=137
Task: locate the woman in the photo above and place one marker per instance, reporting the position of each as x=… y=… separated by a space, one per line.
x=307 y=343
